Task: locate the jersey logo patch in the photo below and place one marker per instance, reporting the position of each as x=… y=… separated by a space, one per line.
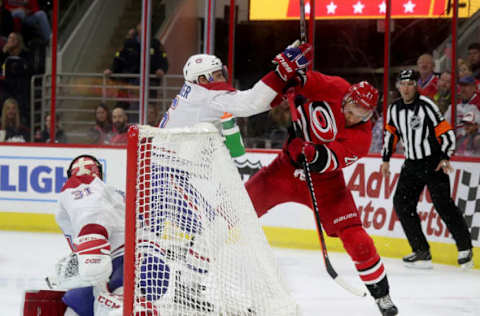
x=415 y=122
x=322 y=121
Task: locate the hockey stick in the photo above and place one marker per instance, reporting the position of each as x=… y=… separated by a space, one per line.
x=330 y=270
x=303 y=34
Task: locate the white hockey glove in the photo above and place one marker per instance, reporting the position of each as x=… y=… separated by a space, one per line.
x=89 y=265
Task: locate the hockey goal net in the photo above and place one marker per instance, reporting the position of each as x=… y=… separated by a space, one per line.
x=194 y=245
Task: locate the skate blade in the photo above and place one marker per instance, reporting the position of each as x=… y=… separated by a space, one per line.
x=422 y=264
x=467 y=266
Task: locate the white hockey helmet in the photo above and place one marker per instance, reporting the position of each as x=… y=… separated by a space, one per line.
x=202 y=65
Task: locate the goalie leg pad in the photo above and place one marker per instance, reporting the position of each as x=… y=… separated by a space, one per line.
x=44 y=303
x=80 y=300
x=116 y=279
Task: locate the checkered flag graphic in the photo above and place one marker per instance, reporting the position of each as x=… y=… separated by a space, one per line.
x=469 y=201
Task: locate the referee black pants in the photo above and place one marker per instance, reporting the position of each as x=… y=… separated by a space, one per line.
x=415 y=174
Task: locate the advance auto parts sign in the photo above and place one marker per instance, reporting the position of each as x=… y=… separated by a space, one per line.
x=373 y=195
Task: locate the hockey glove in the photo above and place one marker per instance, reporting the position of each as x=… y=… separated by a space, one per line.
x=300 y=151
x=316 y=155
x=292 y=63
x=94 y=261
x=90 y=264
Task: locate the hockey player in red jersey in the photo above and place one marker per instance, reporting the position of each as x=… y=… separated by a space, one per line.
x=334 y=119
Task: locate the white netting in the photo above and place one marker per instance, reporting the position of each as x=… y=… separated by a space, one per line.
x=199 y=247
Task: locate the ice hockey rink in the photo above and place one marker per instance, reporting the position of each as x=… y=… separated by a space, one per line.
x=25 y=258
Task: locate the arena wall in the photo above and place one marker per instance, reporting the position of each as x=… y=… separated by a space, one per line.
x=32 y=175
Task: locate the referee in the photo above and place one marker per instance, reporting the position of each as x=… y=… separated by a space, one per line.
x=429 y=141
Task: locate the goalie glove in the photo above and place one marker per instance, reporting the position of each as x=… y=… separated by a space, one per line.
x=89 y=265
x=292 y=63
x=94 y=260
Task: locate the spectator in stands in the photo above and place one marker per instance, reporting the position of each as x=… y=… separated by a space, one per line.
x=463 y=68
x=377 y=133
x=152 y=115
x=427 y=83
x=474 y=59
x=28 y=12
x=17 y=69
x=6 y=24
x=11 y=128
x=102 y=131
x=470 y=99
x=120 y=127
x=158 y=54
x=468 y=143
x=43 y=136
x=468 y=91
x=127 y=61
x=443 y=96
x=279 y=121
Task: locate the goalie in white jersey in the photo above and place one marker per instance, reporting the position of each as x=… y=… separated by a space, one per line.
x=91 y=215
x=206 y=96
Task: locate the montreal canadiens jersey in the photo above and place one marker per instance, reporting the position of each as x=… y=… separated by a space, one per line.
x=207 y=103
x=88 y=200
x=322 y=121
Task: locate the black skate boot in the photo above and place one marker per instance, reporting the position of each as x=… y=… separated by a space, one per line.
x=465 y=259
x=386 y=306
x=419 y=260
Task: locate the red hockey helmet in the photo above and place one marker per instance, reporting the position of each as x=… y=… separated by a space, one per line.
x=85 y=165
x=363 y=94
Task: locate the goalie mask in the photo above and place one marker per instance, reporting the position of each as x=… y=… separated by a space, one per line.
x=85 y=165
x=203 y=65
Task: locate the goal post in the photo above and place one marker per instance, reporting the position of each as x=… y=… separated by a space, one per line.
x=193 y=244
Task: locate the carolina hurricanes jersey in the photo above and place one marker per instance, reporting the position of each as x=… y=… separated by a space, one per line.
x=322 y=121
x=207 y=103
x=88 y=200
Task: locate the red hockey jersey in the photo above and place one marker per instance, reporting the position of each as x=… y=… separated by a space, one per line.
x=322 y=121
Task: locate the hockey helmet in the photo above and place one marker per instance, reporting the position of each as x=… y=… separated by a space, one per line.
x=202 y=65
x=408 y=74
x=363 y=94
x=85 y=165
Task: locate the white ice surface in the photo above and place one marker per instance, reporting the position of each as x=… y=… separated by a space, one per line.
x=25 y=258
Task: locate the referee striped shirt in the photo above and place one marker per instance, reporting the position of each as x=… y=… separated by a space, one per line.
x=421 y=128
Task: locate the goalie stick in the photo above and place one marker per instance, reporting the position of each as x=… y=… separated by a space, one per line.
x=330 y=270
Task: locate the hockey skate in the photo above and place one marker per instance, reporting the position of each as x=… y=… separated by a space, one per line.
x=419 y=260
x=465 y=259
x=386 y=306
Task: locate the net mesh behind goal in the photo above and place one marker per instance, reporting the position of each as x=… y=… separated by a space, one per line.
x=194 y=245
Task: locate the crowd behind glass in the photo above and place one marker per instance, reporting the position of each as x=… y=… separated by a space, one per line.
x=22 y=35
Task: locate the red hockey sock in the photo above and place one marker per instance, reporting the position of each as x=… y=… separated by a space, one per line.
x=361 y=249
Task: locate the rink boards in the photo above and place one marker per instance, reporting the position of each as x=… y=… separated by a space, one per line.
x=32 y=176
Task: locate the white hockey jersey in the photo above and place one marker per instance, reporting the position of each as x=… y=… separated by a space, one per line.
x=207 y=103
x=88 y=200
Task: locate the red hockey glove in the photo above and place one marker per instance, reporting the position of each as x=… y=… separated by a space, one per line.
x=300 y=150
x=292 y=63
x=318 y=157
